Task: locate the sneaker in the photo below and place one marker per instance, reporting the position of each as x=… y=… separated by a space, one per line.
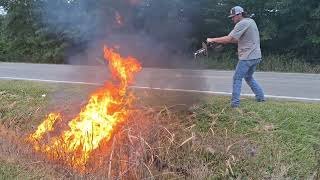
x=237 y=109
x=234 y=106
x=260 y=100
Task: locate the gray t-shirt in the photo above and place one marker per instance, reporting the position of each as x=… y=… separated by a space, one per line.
x=247 y=34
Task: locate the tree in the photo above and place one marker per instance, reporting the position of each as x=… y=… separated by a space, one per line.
x=44 y=30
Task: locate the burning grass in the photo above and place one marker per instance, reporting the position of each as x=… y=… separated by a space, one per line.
x=171 y=138
x=88 y=133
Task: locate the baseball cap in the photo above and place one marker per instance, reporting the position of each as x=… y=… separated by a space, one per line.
x=236 y=11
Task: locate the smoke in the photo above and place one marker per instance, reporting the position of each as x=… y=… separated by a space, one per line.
x=156 y=32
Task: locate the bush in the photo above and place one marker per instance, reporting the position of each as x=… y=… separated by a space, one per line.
x=271 y=62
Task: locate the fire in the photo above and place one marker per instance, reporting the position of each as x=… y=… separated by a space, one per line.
x=95 y=124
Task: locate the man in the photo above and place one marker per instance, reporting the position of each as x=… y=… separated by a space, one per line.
x=246 y=35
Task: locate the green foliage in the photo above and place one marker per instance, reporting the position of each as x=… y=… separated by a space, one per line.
x=23 y=39
x=43 y=30
x=286 y=26
x=271 y=62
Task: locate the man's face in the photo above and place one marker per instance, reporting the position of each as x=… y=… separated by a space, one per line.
x=236 y=18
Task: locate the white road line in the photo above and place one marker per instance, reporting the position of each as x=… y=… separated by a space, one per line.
x=163 y=89
x=227 y=93
x=51 y=81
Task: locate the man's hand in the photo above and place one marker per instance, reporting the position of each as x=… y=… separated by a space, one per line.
x=222 y=40
x=211 y=40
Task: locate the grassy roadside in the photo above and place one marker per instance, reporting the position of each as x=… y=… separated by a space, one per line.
x=284 y=137
x=14 y=171
x=192 y=136
x=270 y=63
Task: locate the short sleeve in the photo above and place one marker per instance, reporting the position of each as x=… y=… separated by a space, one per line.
x=239 y=29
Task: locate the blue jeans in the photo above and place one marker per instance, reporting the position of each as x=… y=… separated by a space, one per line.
x=245 y=69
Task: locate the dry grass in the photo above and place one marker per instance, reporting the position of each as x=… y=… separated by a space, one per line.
x=158 y=144
x=191 y=141
x=153 y=144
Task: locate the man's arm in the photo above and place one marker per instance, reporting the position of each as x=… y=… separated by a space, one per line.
x=222 y=40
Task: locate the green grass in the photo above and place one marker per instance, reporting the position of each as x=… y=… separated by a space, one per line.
x=21 y=101
x=271 y=140
x=12 y=171
x=8 y=171
x=270 y=63
x=286 y=135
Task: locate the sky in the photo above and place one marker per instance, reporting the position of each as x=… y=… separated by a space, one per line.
x=2 y=11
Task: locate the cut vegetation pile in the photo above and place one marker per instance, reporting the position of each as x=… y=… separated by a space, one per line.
x=181 y=136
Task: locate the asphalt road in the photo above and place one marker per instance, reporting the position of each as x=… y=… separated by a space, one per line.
x=292 y=86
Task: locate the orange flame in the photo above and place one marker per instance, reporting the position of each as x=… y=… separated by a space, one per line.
x=95 y=124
